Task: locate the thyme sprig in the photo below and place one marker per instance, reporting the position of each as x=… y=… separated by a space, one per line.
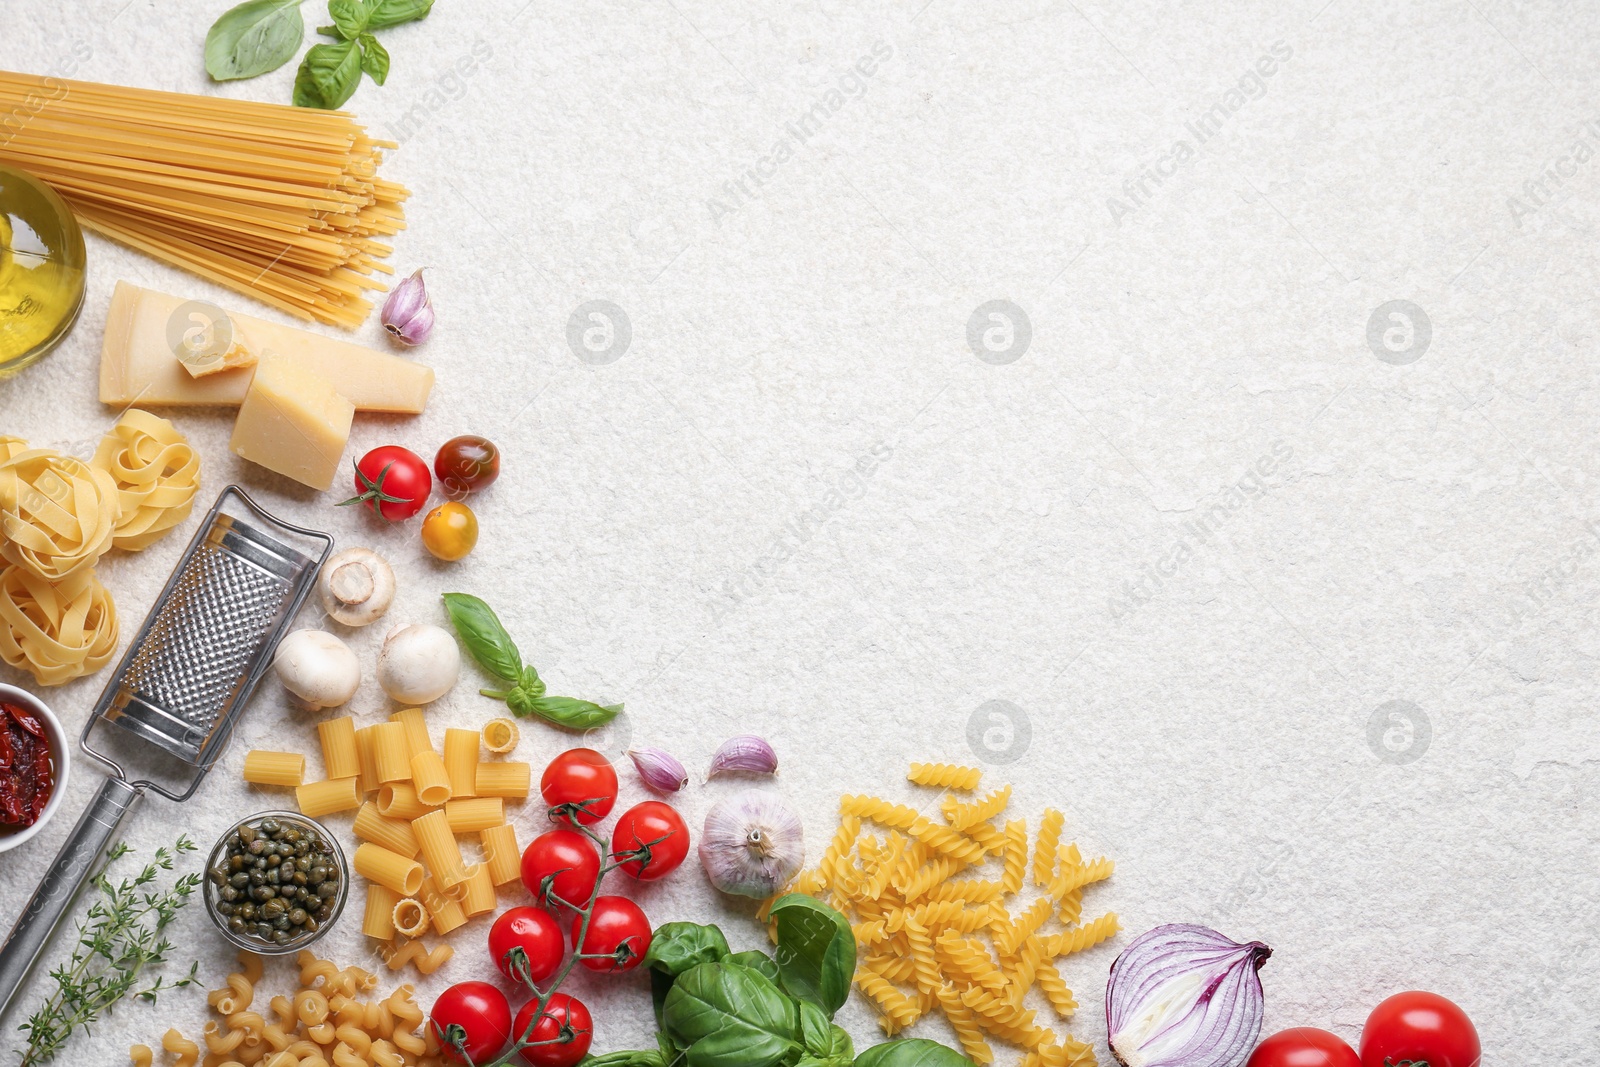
x=118 y=938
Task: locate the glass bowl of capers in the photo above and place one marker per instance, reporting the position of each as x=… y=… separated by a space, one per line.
x=275 y=882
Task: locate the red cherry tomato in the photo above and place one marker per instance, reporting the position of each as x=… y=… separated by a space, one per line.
x=617 y=929
x=474 y=1018
x=1421 y=1028
x=568 y=860
x=565 y=1022
x=526 y=944
x=466 y=464
x=1304 y=1046
x=658 y=826
x=582 y=784
x=392 y=481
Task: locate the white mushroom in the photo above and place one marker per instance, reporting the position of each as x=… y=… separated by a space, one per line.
x=318 y=668
x=357 y=586
x=418 y=664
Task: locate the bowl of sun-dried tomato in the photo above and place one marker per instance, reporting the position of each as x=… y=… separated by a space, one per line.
x=33 y=765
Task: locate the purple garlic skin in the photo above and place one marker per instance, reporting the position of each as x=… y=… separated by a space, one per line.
x=658 y=769
x=744 y=754
x=408 y=313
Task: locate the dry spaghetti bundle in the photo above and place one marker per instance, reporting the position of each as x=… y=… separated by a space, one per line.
x=281 y=203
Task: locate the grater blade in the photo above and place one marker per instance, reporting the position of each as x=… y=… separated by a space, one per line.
x=207 y=641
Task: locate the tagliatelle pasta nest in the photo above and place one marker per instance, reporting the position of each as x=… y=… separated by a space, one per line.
x=57 y=513
x=156 y=473
x=56 y=630
x=928 y=940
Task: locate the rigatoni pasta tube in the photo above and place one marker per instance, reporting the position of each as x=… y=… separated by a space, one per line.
x=390 y=753
x=367 y=780
x=474 y=814
x=410 y=918
x=479 y=891
x=416 y=727
x=461 y=761
x=500 y=853
x=317 y=799
x=429 y=778
x=439 y=849
x=339 y=754
x=395 y=835
x=390 y=869
x=378 y=921
x=274 y=768
x=500 y=736
x=508 y=779
x=399 y=800
x=442 y=908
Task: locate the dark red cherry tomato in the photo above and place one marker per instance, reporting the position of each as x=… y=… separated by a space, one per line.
x=618 y=930
x=471 y=1018
x=562 y=862
x=466 y=464
x=579 y=784
x=392 y=481
x=1304 y=1046
x=526 y=944
x=565 y=1025
x=658 y=826
x=1419 y=1027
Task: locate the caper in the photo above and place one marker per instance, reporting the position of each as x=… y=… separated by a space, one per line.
x=270 y=826
x=236 y=925
x=240 y=880
x=246 y=834
x=298 y=916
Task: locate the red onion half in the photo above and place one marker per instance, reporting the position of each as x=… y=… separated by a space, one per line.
x=1183 y=995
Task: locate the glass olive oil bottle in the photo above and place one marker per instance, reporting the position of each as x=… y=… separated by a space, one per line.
x=41 y=270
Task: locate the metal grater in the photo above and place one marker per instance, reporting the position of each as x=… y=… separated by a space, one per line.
x=180 y=687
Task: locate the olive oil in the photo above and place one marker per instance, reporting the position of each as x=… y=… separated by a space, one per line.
x=41 y=270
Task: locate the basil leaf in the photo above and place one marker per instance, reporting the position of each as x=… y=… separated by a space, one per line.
x=374 y=58
x=814 y=1029
x=917 y=1052
x=816 y=951
x=486 y=640
x=253 y=38
x=386 y=13
x=728 y=1015
x=637 y=1058
x=328 y=76
x=530 y=682
x=758 y=961
x=570 y=712
x=828 y=1046
x=677 y=946
x=350 y=17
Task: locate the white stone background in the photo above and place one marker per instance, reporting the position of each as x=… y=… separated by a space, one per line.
x=1428 y=540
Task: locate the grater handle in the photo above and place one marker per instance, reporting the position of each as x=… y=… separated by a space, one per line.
x=74 y=863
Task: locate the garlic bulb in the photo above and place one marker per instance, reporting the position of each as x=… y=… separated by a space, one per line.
x=752 y=844
x=356 y=586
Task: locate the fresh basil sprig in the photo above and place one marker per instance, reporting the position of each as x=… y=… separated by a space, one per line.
x=253 y=38
x=262 y=35
x=488 y=642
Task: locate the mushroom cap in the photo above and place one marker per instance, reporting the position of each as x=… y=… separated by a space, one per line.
x=318 y=668
x=356 y=587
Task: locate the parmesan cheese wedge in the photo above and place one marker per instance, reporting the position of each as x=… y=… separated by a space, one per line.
x=146 y=330
x=293 y=421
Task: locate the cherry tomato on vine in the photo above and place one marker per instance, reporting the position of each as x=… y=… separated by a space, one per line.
x=565 y=1022
x=660 y=827
x=1419 y=1027
x=1303 y=1046
x=526 y=944
x=617 y=928
x=392 y=481
x=450 y=531
x=583 y=783
x=568 y=860
x=474 y=1018
x=466 y=464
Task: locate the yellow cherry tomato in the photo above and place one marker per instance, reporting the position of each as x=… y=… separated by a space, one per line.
x=450 y=531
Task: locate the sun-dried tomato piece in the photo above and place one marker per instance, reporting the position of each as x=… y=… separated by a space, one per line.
x=27 y=775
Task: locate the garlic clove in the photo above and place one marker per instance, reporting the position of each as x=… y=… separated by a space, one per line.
x=744 y=754
x=407 y=312
x=752 y=844
x=356 y=586
x=658 y=769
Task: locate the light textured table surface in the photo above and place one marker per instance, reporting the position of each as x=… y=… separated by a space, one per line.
x=684 y=528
